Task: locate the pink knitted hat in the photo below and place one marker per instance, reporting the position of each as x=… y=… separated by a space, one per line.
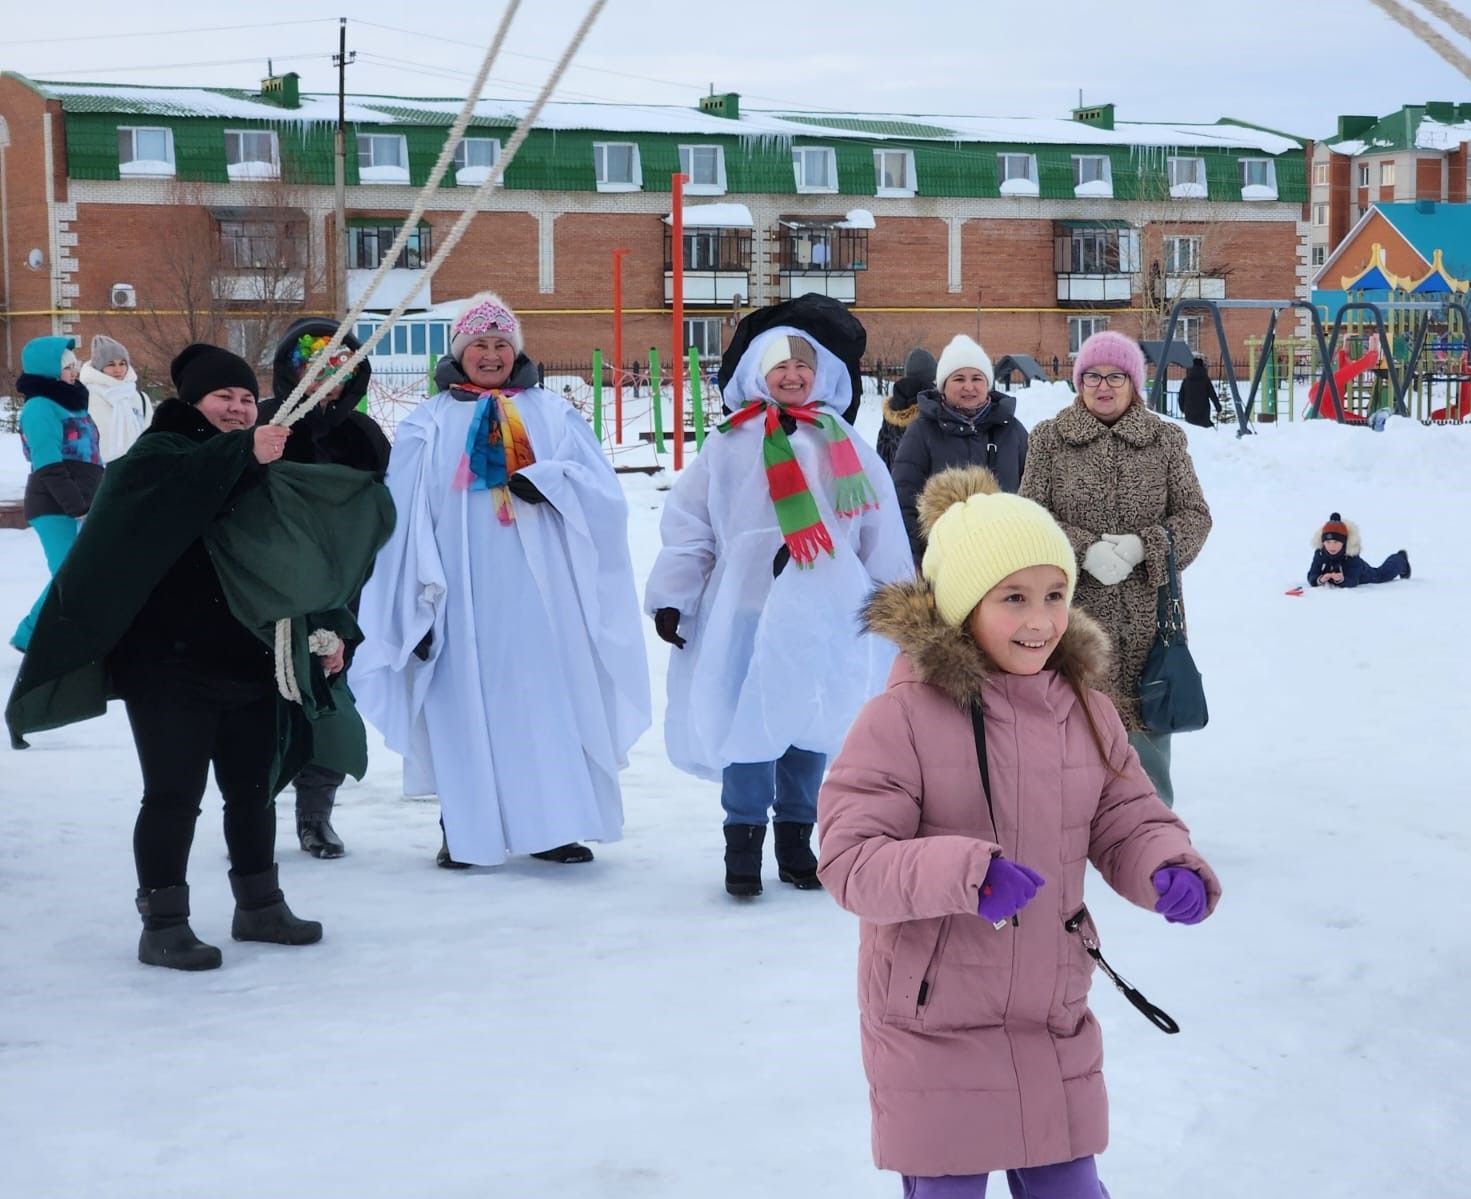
x=1111 y=349
x=485 y=313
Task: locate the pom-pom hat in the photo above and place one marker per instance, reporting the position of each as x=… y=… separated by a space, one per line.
x=1335 y=528
x=977 y=535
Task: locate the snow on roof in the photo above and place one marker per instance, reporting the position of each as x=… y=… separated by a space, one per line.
x=1433 y=135
x=650 y=118
x=724 y=216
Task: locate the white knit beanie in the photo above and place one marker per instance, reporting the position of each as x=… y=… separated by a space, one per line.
x=963 y=352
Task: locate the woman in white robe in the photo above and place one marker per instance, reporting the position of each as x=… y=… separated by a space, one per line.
x=114 y=402
x=770 y=665
x=503 y=656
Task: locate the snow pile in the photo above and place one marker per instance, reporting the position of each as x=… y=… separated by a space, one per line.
x=595 y=1031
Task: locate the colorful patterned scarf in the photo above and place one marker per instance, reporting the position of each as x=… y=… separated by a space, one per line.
x=796 y=511
x=496 y=448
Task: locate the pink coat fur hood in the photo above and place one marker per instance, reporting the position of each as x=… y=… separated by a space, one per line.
x=980 y=1048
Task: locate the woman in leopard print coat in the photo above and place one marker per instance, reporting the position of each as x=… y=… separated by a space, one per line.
x=1116 y=476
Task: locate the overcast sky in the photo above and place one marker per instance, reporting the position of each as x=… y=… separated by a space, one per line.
x=1289 y=64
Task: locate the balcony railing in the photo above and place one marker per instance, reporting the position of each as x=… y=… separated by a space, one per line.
x=1194 y=287
x=1093 y=289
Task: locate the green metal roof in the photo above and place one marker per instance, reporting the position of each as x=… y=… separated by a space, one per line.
x=1097 y=223
x=876 y=126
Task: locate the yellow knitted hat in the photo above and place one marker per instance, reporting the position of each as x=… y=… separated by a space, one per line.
x=976 y=535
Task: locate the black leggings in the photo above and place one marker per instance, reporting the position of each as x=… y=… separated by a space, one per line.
x=178 y=734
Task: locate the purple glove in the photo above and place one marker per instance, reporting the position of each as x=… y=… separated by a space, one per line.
x=1181 y=895
x=1006 y=890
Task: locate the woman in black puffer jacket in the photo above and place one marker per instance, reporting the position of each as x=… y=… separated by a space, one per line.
x=963 y=423
x=901 y=405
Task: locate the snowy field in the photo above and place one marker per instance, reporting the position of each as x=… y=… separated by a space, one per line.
x=625 y=1029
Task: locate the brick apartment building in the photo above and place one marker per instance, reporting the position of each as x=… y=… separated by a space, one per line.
x=160 y=214
x=1418 y=153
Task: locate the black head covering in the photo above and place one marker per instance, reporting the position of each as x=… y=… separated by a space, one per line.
x=828 y=322
x=200 y=369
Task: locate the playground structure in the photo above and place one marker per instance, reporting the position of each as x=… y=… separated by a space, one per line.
x=1421 y=377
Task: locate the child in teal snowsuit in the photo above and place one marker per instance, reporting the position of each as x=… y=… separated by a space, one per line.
x=60 y=441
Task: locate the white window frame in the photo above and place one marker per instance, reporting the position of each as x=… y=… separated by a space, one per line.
x=1090 y=187
x=1080 y=329
x=709 y=187
x=1387 y=174
x=1363 y=174
x=1259 y=191
x=600 y=167
x=136 y=166
x=910 y=183
x=711 y=332
x=370 y=172
x=252 y=168
x=799 y=170
x=1188 y=329
x=1317 y=254
x=1187 y=189
x=1320 y=174
x=468 y=174
x=1320 y=215
x=1182 y=255
x=1017 y=185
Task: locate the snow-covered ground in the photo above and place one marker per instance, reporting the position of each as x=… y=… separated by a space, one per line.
x=624 y=1029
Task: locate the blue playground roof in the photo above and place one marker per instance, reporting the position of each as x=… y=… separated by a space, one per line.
x=1444 y=227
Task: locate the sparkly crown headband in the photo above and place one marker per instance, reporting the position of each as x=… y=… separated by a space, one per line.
x=487 y=317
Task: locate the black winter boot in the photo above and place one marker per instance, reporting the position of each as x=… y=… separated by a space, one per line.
x=743 y=859
x=167 y=939
x=1405 y=568
x=318 y=837
x=795 y=862
x=261 y=913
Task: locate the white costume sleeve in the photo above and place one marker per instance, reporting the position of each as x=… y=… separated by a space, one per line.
x=404 y=598
x=688 y=555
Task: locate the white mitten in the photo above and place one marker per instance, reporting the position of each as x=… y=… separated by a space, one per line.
x=1130 y=548
x=1103 y=562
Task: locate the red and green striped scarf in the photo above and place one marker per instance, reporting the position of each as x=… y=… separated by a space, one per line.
x=796 y=511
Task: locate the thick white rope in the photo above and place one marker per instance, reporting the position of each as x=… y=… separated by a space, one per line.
x=1450 y=14
x=298 y=403
x=288 y=414
x=1427 y=33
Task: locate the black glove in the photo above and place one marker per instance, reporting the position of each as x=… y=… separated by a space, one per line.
x=779 y=563
x=666 y=624
x=421 y=651
x=524 y=489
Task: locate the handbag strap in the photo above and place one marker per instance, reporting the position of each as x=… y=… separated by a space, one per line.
x=978 y=727
x=1169 y=616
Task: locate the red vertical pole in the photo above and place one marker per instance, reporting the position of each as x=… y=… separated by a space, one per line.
x=618 y=346
x=676 y=363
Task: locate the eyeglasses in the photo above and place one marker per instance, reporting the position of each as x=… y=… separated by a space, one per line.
x=1114 y=379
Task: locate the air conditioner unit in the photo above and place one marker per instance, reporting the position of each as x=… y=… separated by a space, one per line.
x=124 y=296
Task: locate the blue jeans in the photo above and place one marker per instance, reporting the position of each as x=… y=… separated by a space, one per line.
x=57 y=533
x=1067 y=1180
x=1154 y=755
x=748 y=790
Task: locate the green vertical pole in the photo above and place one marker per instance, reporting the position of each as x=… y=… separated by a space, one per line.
x=433 y=363
x=658 y=400
x=597 y=394
x=697 y=405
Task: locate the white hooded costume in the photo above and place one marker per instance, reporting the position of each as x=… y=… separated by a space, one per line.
x=536 y=683
x=770 y=662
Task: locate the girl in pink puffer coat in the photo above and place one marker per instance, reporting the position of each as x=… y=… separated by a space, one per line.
x=980 y=1050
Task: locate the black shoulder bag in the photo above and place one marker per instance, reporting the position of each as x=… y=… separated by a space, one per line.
x=1171 y=692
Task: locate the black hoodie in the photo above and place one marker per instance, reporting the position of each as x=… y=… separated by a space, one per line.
x=337 y=435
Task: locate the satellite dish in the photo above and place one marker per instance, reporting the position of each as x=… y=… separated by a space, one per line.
x=35 y=260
